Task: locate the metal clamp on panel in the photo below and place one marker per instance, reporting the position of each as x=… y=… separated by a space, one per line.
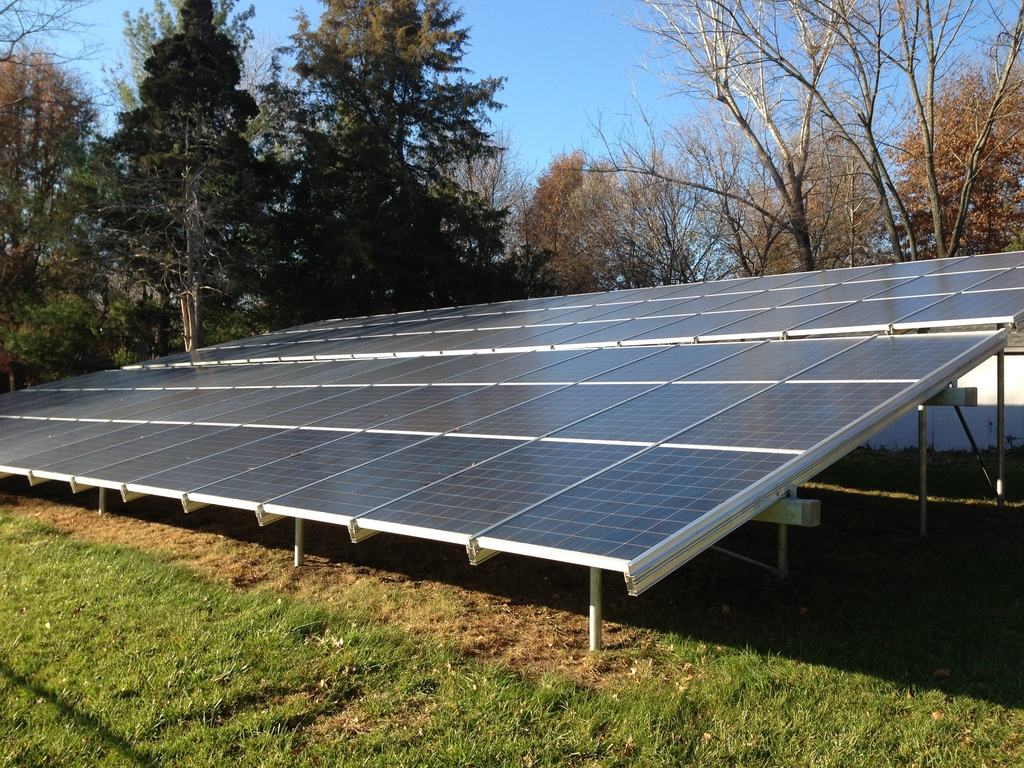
x=358 y=534
x=127 y=495
x=477 y=554
x=790 y=511
x=966 y=397
x=266 y=518
x=191 y=506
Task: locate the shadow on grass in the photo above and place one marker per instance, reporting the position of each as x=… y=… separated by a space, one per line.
x=866 y=594
x=82 y=720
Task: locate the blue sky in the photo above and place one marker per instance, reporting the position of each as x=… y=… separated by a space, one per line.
x=568 y=62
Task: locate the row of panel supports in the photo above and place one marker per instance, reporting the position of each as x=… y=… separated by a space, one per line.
x=783 y=513
x=956 y=397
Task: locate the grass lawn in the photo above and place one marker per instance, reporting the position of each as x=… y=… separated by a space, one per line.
x=149 y=637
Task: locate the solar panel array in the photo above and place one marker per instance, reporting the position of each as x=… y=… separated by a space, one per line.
x=967 y=291
x=605 y=446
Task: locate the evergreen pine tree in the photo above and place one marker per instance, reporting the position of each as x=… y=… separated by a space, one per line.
x=383 y=114
x=187 y=199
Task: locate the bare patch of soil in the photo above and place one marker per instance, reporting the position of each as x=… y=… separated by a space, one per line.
x=522 y=612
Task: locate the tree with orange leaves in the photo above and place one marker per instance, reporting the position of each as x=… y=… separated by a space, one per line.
x=994 y=216
x=45 y=122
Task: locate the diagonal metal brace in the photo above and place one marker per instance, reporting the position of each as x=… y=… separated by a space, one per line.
x=974 y=447
x=791 y=510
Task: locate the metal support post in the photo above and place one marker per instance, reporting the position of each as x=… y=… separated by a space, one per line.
x=922 y=459
x=1000 y=430
x=595 y=609
x=300 y=543
x=783 y=566
x=103 y=501
x=782 y=562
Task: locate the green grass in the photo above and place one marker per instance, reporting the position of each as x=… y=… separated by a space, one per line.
x=110 y=656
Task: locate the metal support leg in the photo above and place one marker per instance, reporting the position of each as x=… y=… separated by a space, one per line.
x=1000 y=430
x=595 y=609
x=300 y=543
x=922 y=459
x=103 y=501
x=783 y=567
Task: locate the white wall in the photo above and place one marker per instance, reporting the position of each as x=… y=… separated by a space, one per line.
x=944 y=430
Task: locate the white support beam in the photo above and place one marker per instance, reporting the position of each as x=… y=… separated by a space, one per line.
x=5 y=474
x=33 y=480
x=596 y=609
x=77 y=487
x=300 y=542
x=102 y=506
x=965 y=397
x=127 y=495
x=792 y=511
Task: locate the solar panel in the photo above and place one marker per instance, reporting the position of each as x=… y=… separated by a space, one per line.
x=771 y=362
x=845 y=292
x=967 y=309
x=508 y=427
x=334 y=404
x=205 y=453
x=770 y=323
x=339 y=492
x=334 y=453
x=903 y=357
x=687 y=328
x=498 y=368
x=790 y=416
x=672 y=363
x=555 y=410
x=866 y=315
x=930 y=285
x=129 y=445
x=585 y=364
x=37 y=449
x=625 y=511
x=464 y=411
x=468 y=502
x=661 y=413
x=983 y=261
x=773 y=298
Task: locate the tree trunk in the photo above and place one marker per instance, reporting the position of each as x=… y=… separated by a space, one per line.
x=186 y=321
